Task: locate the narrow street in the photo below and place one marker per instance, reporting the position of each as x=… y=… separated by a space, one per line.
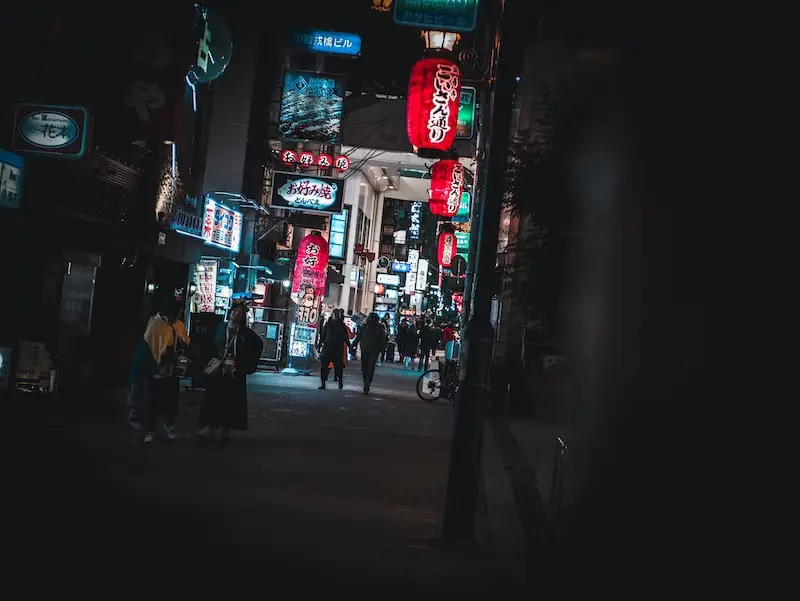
x=328 y=491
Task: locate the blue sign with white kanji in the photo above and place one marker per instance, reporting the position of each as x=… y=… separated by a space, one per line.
x=329 y=42
x=445 y=15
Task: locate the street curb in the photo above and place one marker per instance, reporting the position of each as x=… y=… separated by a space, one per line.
x=505 y=527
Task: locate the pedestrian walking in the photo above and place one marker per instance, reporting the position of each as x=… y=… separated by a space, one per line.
x=427 y=344
x=410 y=346
x=155 y=366
x=372 y=337
x=237 y=350
x=335 y=342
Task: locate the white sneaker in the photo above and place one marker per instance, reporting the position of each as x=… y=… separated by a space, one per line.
x=151 y=436
x=172 y=433
x=204 y=432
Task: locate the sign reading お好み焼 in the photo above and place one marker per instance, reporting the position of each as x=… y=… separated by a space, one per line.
x=309 y=194
x=50 y=129
x=447 y=15
x=329 y=42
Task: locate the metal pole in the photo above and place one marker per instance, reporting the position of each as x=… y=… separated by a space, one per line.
x=465 y=453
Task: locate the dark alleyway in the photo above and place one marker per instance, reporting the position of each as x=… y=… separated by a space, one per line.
x=327 y=492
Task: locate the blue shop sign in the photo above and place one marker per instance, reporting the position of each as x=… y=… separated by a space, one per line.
x=401 y=267
x=329 y=42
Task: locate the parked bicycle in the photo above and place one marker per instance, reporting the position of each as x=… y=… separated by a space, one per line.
x=439 y=383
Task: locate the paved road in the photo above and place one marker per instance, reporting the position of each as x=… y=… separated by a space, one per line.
x=327 y=492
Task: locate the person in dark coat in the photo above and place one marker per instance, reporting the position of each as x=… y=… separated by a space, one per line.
x=225 y=403
x=427 y=344
x=410 y=345
x=372 y=337
x=335 y=338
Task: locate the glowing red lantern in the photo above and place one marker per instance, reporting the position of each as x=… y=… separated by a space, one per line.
x=324 y=161
x=289 y=157
x=342 y=163
x=447 y=248
x=447 y=184
x=432 y=107
x=307 y=159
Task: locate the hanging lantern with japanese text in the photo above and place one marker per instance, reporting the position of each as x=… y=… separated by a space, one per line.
x=447 y=248
x=310 y=273
x=447 y=184
x=432 y=106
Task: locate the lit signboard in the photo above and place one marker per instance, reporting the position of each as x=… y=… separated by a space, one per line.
x=222 y=226
x=416 y=221
x=462 y=240
x=463 y=208
x=388 y=279
x=411 y=276
x=329 y=42
x=337 y=242
x=422 y=274
x=308 y=194
x=50 y=129
x=311 y=107
x=400 y=267
x=466 y=113
x=447 y=15
x=10 y=179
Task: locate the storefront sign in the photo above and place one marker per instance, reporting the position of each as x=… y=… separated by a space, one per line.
x=222 y=226
x=416 y=221
x=186 y=222
x=329 y=42
x=308 y=288
x=466 y=113
x=462 y=240
x=338 y=235
x=206 y=276
x=447 y=15
x=463 y=208
x=309 y=194
x=422 y=274
x=447 y=249
x=51 y=129
x=411 y=276
x=400 y=267
x=10 y=179
x=311 y=107
x=388 y=279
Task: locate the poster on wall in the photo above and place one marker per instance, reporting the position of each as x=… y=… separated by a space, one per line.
x=307 y=193
x=222 y=226
x=10 y=179
x=311 y=107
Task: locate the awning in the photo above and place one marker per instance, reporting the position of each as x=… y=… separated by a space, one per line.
x=272 y=270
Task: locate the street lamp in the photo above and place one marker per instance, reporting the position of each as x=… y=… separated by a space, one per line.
x=440 y=40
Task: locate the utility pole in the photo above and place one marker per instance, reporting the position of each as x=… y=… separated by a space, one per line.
x=466 y=449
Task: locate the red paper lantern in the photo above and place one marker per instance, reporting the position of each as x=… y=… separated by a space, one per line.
x=342 y=163
x=447 y=248
x=310 y=273
x=447 y=184
x=432 y=107
x=289 y=157
x=307 y=159
x=324 y=161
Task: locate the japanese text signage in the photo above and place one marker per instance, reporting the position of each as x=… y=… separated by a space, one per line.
x=388 y=279
x=309 y=194
x=329 y=42
x=463 y=209
x=448 y=15
x=11 y=166
x=411 y=276
x=50 y=129
x=311 y=107
x=400 y=267
x=308 y=284
x=432 y=104
x=206 y=274
x=466 y=113
x=222 y=226
x=422 y=274
x=416 y=221
x=462 y=240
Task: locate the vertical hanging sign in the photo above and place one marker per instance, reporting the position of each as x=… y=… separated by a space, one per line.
x=308 y=289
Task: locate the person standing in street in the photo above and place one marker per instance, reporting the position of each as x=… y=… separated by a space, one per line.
x=372 y=337
x=427 y=344
x=238 y=349
x=335 y=341
x=156 y=362
x=410 y=345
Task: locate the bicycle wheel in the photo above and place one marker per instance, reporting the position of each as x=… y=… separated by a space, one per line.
x=429 y=385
